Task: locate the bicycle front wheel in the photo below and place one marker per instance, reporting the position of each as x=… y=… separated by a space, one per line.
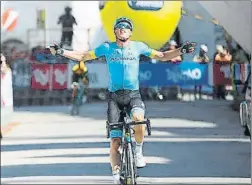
x=131 y=168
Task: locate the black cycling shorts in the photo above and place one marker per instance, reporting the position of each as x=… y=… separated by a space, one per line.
x=131 y=100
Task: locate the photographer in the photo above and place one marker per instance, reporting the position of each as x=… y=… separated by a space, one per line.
x=201 y=58
x=67 y=20
x=4 y=66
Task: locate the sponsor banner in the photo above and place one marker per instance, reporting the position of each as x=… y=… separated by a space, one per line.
x=98 y=75
x=166 y=74
x=60 y=76
x=41 y=76
x=48 y=77
x=146 y=5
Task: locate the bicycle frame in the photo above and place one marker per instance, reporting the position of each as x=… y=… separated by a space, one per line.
x=127 y=162
x=127 y=153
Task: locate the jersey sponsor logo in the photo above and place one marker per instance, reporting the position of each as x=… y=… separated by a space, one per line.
x=113 y=59
x=116 y=56
x=146 y=5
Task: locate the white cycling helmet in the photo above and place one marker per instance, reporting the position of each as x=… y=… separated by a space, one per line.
x=219 y=48
x=172 y=43
x=123 y=20
x=204 y=48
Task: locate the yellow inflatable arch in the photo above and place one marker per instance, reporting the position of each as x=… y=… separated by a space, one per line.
x=154 y=21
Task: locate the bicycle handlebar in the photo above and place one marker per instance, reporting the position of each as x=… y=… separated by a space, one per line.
x=132 y=123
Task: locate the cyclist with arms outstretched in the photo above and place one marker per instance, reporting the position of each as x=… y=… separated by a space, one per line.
x=122 y=57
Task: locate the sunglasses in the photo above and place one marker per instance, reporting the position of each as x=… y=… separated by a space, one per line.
x=123 y=25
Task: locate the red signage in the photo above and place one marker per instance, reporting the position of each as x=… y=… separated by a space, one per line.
x=60 y=76
x=41 y=74
x=47 y=77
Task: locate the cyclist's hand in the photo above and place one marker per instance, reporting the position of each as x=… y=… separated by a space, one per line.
x=56 y=49
x=159 y=54
x=188 y=47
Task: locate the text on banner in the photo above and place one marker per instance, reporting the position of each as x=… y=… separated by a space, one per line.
x=166 y=74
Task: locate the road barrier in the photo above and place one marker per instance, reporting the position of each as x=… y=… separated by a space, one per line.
x=44 y=83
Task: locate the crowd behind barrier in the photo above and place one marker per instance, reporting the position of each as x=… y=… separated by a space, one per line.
x=44 y=83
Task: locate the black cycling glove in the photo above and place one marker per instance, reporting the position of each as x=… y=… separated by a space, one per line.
x=188 y=47
x=56 y=50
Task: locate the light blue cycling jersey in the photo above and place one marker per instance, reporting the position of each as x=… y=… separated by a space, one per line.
x=123 y=63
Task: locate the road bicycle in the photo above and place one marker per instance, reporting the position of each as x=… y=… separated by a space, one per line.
x=77 y=99
x=245 y=113
x=128 y=172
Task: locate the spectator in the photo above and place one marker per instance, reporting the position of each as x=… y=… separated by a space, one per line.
x=172 y=46
x=201 y=58
x=4 y=66
x=67 y=20
x=240 y=56
x=172 y=92
x=222 y=56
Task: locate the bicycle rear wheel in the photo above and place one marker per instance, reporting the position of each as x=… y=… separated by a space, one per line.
x=74 y=107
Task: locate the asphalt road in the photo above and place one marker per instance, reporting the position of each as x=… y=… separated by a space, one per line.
x=192 y=143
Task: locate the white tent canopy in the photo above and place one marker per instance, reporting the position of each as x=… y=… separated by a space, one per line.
x=235 y=17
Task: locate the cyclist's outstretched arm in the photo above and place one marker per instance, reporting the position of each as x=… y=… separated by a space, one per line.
x=167 y=55
x=80 y=56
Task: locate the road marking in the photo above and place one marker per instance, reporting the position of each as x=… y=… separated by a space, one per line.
x=141 y=180
x=102 y=140
x=74 y=160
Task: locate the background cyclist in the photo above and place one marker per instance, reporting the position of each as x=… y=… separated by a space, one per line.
x=80 y=73
x=122 y=58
